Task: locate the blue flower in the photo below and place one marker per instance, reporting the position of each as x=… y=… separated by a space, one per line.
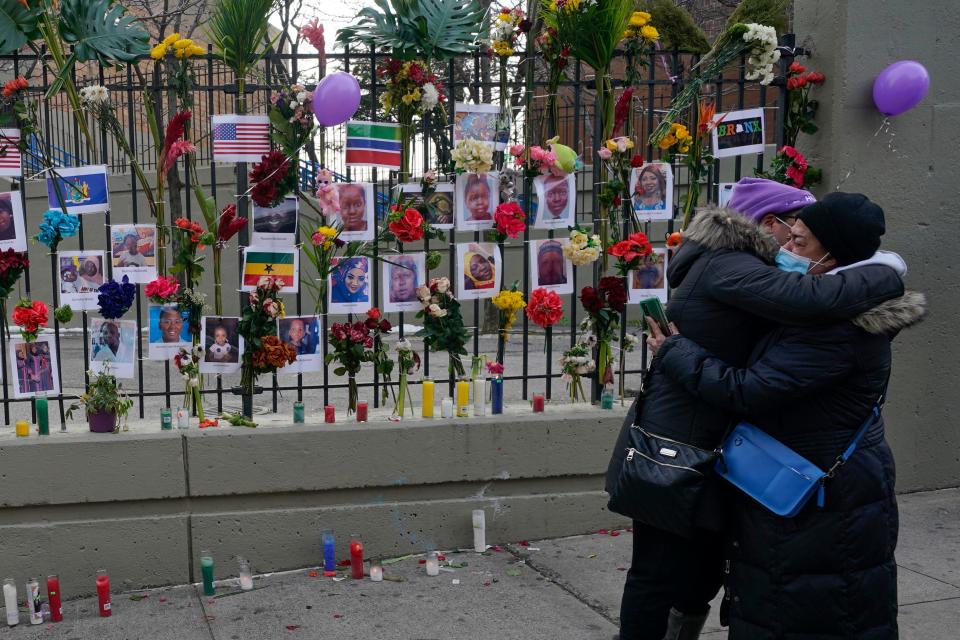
x=115 y=298
x=56 y=226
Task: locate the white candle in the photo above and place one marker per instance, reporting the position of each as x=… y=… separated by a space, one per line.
x=10 y=602
x=446 y=408
x=479 y=397
x=246 y=575
x=183 y=419
x=479 y=531
x=376 y=572
x=433 y=564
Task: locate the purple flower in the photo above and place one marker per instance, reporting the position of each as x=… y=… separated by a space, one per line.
x=115 y=298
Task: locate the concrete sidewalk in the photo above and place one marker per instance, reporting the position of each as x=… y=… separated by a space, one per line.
x=558 y=589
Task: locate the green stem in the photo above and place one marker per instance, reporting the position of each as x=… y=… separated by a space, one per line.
x=217 y=282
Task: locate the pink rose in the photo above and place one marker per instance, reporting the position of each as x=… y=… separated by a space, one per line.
x=517 y=150
x=605 y=154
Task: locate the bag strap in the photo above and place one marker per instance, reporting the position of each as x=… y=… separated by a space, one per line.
x=869 y=422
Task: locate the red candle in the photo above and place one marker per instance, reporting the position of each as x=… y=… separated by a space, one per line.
x=329 y=414
x=538 y=401
x=361 y=412
x=103 y=593
x=53 y=592
x=356 y=558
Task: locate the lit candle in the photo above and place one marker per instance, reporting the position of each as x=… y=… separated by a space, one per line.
x=606 y=399
x=329 y=414
x=53 y=594
x=538 y=401
x=329 y=554
x=246 y=575
x=356 y=557
x=446 y=408
x=376 y=571
x=479 y=531
x=206 y=569
x=479 y=397
x=183 y=419
x=103 y=593
x=433 y=564
x=10 y=602
x=463 y=398
x=43 y=416
x=426 y=401
x=166 y=419
x=361 y=412
x=298 y=416
x=496 y=395
x=23 y=428
x=33 y=601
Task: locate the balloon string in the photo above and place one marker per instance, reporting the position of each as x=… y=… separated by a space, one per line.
x=663 y=61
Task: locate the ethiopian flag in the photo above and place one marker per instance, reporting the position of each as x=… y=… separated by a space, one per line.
x=278 y=263
x=373 y=144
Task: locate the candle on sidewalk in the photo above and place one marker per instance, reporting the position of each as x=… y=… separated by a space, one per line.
x=23 y=428
x=53 y=594
x=329 y=414
x=376 y=571
x=298 y=413
x=446 y=408
x=183 y=419
x=479 y=397
x=433 y=564
x=329 y=553
x=362 y=411
x=246 y=575
x=496 y=395
x=103 y=594
x=426 y=398
x=356 y=557
x=206 y=570
x=538 y=401
x=463 y=398
x=606 y=400
x=479 y=531
x=43 y=416
x=166 y=419
x=33 y=601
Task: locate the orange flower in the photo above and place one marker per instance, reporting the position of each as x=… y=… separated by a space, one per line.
x=14 y=86
x=675 y=239
x=706 y=112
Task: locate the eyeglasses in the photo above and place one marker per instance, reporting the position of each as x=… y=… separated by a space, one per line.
x=788 y=225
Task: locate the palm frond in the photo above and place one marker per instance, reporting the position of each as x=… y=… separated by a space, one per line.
x=239 y=32
x=593 y=34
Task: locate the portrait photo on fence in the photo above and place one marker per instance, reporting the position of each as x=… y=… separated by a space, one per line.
x=79 y=189
x=401 y=275
x=276 y=226
x=349 y=286
x=35 y=366
x=437 y=208
x=133 y=249
x=113 y=341
x=651 y=191
x=478 y=195
x=649 y=279
x=81 y=274
x=549 y=268
x=303 y=334
x=222 y=344
x=169 y=329
x=479 y=265
x=480 y=122
x=556 y=201
x=356 y=210
x=12 y=232
x=280 y=264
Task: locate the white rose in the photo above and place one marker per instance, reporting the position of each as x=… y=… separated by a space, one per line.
x=442 y=285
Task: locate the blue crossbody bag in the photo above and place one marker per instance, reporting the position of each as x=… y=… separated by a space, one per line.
x=773 y=474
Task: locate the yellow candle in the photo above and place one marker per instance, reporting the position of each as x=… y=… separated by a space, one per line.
x=23 y=428
x=426 y=404
x=463 y=398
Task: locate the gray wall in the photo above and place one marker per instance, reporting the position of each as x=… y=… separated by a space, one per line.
x=911 y=167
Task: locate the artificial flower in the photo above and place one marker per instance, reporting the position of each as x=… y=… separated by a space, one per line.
x=633 y=248
x=162 y=290
x=408 y=226
x=30 y=316
x=675 y=239
x=473 y=156
x=545 y=307
x=116 y=298
x=12 y=266
x=57 y=226
x=312 y=32
x=271 y=179
x=510 y=219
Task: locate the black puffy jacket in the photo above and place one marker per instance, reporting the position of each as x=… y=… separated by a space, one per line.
x=828 y=572
x=726 y=297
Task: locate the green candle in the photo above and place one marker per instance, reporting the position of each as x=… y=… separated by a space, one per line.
x=606 y=400
x=43 y=416
x=206 y=568
x=298 y=413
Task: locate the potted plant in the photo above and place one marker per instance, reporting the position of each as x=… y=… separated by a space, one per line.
x=105 y=402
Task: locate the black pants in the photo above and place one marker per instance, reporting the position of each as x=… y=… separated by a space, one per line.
x=668 y=571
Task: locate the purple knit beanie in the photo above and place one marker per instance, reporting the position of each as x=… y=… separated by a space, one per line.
x=756 y=197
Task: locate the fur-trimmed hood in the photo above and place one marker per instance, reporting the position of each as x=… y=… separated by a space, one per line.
x=892 y=316
x=715 y=228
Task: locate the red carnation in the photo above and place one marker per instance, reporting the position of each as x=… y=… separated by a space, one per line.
x=591 y=301
x=636 y=161
x=545 y=307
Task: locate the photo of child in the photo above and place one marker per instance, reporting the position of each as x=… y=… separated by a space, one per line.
x=222 y=344
x=477 y=199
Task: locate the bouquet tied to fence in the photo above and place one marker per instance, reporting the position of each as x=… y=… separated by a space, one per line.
x=443 y=328
x=603 y=305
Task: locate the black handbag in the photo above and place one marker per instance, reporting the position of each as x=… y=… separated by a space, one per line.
x=662 y=481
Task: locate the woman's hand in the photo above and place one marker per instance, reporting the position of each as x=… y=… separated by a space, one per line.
x=655 y=337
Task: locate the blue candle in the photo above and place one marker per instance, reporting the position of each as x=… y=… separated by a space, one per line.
x=496 y=385
x=329 y=554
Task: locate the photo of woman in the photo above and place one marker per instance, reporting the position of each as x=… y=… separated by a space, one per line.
x=477 y=199
x=402 y=275
x=556 y=198
x=550 y=269
x=168 y=330
x=349 y=285
x=649 y=278
x=479 y=269
x=356 y=210
x=222 y=344
x=7 y=229
x=651 y=187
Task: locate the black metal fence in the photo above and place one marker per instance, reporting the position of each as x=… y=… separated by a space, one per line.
x=466 y=79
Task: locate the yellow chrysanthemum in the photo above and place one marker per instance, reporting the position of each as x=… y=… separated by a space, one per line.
x=667 y=141
x=649 y=33
x=639 y=19
x=170 y=39
x=197 y=50
x=158 y=52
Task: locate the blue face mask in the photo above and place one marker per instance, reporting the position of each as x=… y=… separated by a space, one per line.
x=792 y=263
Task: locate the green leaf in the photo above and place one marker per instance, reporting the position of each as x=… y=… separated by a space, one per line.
x=239 y=32
x=340 y=371
x=99 y=30
x=18 y=25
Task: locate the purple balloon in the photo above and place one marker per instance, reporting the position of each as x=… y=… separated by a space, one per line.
x=336 y=99
x=900 y=87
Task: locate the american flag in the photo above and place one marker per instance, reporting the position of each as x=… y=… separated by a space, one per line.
x=10 y=152
x=240 y=138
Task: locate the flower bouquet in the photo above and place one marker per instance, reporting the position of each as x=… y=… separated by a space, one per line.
x=472 y=156
x=352 y=345
x=509 y=24
x=411 y=89
x=408 y=363
x=575 y=363
x=443 y=328
x=630 y=252
x=382 y=364
x=291 y=117
x=324 y=243
x=510 y=221
x=556 y=54
x=508 y=302
x=618 y=159
x=790 y=167
x=116 y=298
x=603 y=305
x=801 y=109
x=583 y=247
x=695 y=151
x=30 y=316
x=273 y=178
x=187 y=362
x=223 y=227
x=639 y=40
x=12 y=266
x=264 y=352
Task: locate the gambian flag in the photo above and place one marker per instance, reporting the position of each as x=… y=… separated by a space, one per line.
x=373 y=144
x=279 y=263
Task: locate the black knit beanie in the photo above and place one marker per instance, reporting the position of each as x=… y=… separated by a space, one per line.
x=848 y=225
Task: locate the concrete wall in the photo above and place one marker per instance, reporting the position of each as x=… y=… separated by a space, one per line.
x=143 y=504
x=911 y=167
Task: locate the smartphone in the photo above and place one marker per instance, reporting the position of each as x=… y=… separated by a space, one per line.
x=653 y=308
